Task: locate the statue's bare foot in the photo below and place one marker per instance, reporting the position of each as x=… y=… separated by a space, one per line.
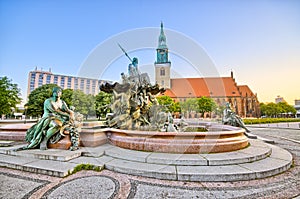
x=73 y=148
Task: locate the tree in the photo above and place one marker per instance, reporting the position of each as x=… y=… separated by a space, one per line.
x=169 y=103
x=286 y=108
x=218 y=110
x=85 y=104
x=274 y=110
x=67 y=96
x=35 y=104
x=205 y=105
x=102 y=102
x=9 y=95
x=189 y=105
x=263 y=109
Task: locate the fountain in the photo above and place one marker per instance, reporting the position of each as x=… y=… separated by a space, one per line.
x=146 y=141
x=138 y=121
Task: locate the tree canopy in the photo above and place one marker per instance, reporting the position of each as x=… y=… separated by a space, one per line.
x=102 y=102
x=85 y=104
x=169 y=103
x=274 y=110
x=205 y=105
x=189 y=105
x=67 y=96
x=35 y=104
x=9 y=95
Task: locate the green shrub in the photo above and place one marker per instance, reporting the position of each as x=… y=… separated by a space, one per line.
x=80 y=167
x=269 y=120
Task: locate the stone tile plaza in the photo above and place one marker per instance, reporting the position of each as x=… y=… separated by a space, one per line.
x=132 y=174
x=142 y=100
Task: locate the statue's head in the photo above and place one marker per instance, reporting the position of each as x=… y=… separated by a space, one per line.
x=135 y=61
x=55 y=91
x=227 y=105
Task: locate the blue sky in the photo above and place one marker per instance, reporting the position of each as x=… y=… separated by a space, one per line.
x=258 y=40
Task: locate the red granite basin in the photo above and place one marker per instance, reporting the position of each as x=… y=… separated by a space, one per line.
x=14 y=132
x=217 y=139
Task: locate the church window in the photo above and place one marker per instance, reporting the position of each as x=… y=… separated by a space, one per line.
x=162 y=72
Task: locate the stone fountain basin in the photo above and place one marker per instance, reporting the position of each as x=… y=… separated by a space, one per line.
x=218 y=139
x=14 y=132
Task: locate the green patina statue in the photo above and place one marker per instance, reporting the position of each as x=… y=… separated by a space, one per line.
x=134 y=105
x=57 y=119
x=230 y=118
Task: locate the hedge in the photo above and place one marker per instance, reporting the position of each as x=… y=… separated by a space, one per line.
x=269 y=120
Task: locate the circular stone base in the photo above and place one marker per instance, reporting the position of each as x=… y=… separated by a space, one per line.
x=257 y=161
x=223 y=138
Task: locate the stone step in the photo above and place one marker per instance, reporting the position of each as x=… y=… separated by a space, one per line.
x=35 y=161
x=47 y=167
x=256 y=151
x=279 y=161
x=53 y=162
x=50 y=154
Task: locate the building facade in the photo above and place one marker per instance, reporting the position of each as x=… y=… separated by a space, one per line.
x=38 y=78
x=222 y=89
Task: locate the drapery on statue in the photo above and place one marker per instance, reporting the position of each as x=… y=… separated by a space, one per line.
x=230 y=118
x=56 y=120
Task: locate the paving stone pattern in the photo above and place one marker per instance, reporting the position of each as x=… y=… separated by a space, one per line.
x=110 y=184
x=14 y=186
x=92 y=187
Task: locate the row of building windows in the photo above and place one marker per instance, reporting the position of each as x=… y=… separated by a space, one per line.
x=88 y=86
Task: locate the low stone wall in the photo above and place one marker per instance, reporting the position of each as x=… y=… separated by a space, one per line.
x=220 y=138
x=92 y=134
x=14 y=132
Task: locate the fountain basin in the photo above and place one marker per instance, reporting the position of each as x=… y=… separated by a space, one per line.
x=16 y=132
x=218 y=139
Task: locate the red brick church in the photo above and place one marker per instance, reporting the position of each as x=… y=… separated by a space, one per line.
x=222 y=89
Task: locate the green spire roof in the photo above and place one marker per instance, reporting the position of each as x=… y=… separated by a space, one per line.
x=162 y=41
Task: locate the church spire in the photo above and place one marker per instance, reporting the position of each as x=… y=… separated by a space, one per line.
x=162 y=64
x=162 y=41
x=162 y=49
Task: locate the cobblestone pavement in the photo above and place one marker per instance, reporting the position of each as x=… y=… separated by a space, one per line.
x=108 y=184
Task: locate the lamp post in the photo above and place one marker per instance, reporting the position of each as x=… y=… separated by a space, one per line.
x=25 y=113
x=189 y=105
x=12 y=112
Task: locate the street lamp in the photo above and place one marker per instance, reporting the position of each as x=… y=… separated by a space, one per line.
x=12 y=111
x=25 y=113
x=189 y=106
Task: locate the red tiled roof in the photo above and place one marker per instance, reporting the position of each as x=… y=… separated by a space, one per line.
x=198 y=87
x=245 y=91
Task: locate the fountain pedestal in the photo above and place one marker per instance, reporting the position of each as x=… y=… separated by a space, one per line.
x=218 y=139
